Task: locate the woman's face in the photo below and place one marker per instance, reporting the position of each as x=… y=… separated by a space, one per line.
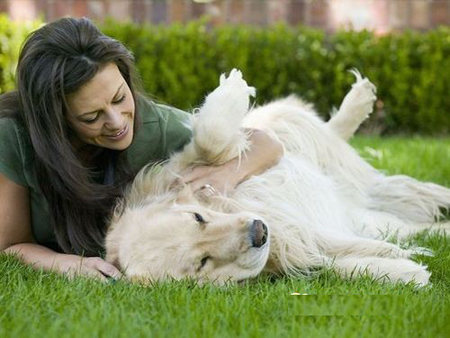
x=101 y=112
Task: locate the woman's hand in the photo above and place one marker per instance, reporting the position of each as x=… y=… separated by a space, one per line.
x=223 y=178
x=41 y=257
x=263 y=154
x=96 y=267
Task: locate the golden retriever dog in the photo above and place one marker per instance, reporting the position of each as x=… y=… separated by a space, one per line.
x=322 y=205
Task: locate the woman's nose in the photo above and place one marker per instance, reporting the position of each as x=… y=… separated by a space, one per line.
x=114 y=119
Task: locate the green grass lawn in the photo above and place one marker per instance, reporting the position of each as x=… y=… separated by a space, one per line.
x=39 y=304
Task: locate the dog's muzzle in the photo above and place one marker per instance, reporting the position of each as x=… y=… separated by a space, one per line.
x=258 y=233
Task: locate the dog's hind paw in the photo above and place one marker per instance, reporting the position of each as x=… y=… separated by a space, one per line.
x=359 y=101
x=355 y=108
x=421 y=278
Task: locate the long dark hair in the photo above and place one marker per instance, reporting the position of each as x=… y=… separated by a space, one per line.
x=56 y=60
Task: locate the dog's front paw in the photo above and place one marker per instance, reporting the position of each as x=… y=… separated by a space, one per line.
x=218 y=135
x=231 y=97
x=236 y=82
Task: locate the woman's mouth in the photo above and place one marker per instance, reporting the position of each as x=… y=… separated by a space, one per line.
x=119 y=135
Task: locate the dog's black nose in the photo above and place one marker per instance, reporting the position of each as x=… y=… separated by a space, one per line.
x=258 y=233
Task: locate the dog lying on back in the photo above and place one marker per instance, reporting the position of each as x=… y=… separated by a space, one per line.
x=321 y=205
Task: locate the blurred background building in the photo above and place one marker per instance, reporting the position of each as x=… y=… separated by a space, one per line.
x=379 y=15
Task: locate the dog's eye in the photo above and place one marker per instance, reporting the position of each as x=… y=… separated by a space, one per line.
x=203 y=261
x=199 y=218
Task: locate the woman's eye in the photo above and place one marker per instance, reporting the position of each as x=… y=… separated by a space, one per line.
x=92 y=120
x=199 y=218
x=119 y=100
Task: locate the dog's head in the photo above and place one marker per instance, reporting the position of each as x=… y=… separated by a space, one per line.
x=181 y=238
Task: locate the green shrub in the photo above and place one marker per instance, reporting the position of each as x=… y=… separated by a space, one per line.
x=12 y=36
x=180 y=64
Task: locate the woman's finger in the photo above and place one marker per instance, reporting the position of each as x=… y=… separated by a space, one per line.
x=93 y=273
x=85 y=271
x=110 y=270
x=107 y=269
x=198 y=185
x=208 y=190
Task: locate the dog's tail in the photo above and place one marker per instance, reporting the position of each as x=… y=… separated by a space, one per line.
x=410 y=199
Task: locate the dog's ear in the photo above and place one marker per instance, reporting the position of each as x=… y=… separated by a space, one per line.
x=176 y=185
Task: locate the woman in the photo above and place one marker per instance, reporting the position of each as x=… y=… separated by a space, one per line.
x=73 y=134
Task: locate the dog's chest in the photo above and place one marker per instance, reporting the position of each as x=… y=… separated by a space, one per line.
x=292 y=191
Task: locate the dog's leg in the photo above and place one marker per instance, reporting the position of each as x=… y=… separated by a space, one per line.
x=383 y=269
x=400 y=195
x=218 y=136
x=217 y=133
x=381 y=224
x=415 y=228
x=355 y=108
x=366 y=247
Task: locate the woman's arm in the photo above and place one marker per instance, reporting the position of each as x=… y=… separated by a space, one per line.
x=263 y=154
x=16 y=238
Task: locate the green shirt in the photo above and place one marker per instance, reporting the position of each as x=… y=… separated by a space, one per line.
x=163 y=131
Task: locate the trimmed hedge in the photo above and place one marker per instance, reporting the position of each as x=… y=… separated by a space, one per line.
x=179 y=64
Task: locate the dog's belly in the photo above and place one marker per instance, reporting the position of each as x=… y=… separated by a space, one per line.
x=294 y=192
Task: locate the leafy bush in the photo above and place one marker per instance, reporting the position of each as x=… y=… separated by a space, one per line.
x=12 y=36
x=179 y=64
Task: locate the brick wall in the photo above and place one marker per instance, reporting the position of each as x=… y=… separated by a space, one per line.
x=380 y=15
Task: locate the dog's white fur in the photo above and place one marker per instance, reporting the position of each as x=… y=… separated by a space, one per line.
x=323 y=204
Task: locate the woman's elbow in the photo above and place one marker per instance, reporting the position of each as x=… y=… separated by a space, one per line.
x=273 y=145
x=278 y=149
